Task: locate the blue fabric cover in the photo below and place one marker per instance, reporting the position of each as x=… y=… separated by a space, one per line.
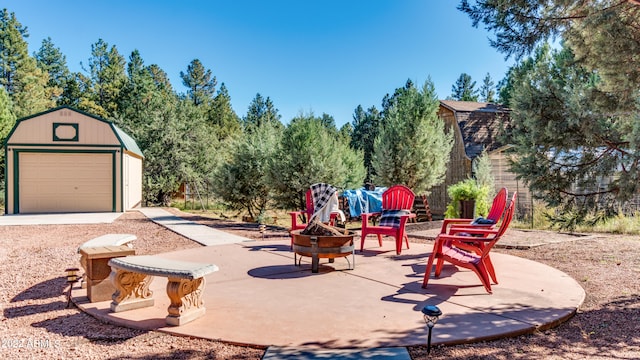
x=364 y=201
x=392 y=217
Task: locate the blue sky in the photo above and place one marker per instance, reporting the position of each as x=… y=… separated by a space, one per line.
x=324 y=56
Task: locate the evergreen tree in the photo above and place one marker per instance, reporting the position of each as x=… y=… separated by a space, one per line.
x=7 y=118
x=24 y=82
x=365 y=130
x=261 y=111
x=330 y=123
x=72 y=91
x=506 y=85
x=32 y=95
x=107 y=74
x=599 y=99
x=160 y=78
x=7 y=121
x=222 y=117
x=178 y=148
x=483 y=174
x=574 y=148
x=173 y=134
x=487 y=92
x=309 y=154
x=412 y=147
x=139 y=91
x=603 y=34
x=13 y=50
x=200 y=82
x=345 y=132
x=464 y=89
x=242 y=181
x=51 y=60
x=390 y=101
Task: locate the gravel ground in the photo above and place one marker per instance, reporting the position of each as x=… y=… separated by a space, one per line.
x=35 y=323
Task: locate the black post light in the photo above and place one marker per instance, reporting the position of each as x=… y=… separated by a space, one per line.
x=72 y=278
x=431 y=313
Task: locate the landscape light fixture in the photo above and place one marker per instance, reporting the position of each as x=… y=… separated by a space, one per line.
x=72 y=278
x=262 y=229
x=431 y=313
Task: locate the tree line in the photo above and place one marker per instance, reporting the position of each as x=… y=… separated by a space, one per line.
x=575 y=108
x=253 y=162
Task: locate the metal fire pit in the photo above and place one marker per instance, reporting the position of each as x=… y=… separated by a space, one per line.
x=325 y=247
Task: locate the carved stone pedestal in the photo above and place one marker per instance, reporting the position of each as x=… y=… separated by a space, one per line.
x=186 y=300
x=132 y=290
x=132 y=275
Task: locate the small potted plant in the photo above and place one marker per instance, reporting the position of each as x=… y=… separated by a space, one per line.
x=467 y=199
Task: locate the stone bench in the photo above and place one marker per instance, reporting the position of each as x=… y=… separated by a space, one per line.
x=132 y=275
x=102 y=241
x=109 y=240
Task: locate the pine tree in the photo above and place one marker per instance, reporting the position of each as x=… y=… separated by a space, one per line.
x=261 y=111
x=242 y=182
x=222 y=117
x=13 y=49
x=487 y=92
x=160 y=78
x=32 y=94
x=345 y=132
x=107 y=74
x=574 y=149
x=7 y=121
x=172 y=133
x=603 y=34
x=51 y=60
x=365 y=129
x=7 y=118
x=412 y=147
x=308 y=154
x=329 y=123
x=200 y=82
x=24 y=82
x=140 y=91
x=464 y=89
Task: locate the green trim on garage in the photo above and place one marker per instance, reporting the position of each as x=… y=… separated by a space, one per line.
x=75 y=126
x=16 y=170
x=6 y=181
x=125 y=139
x=22 y=145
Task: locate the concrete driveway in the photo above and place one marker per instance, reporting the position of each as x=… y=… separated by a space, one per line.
x=59 y=219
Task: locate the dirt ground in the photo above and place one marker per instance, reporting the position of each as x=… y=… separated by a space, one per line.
x=36 y=323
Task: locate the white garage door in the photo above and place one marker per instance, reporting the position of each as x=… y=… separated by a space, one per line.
x=65 y=182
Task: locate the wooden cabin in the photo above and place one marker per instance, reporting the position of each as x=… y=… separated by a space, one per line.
x=477 y=127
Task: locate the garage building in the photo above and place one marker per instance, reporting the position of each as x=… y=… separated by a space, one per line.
x=64 y=160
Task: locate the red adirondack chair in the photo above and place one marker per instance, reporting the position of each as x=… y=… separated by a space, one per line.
x=496 y=211
x=397 y=202
x=469 y=248
x=299 y=218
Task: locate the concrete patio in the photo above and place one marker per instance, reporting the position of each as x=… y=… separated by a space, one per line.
x=259 y=297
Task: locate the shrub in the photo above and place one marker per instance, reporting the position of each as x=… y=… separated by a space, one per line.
x=467 y=190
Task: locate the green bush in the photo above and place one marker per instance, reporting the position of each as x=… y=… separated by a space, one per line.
x=621 y=224
x=467 y=190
